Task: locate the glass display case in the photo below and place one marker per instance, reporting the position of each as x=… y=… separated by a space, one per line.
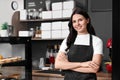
x=18 y=59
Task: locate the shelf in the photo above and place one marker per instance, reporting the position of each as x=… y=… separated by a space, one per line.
x=46 y=20
x=17 y=63
x=51 y=72
x=47 y=39
x=4 y=40
x=14 y=40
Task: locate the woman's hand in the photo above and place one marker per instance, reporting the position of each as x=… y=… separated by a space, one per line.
x=94 y=65
x=90 y=64
x=63 y=57
x=62 y=62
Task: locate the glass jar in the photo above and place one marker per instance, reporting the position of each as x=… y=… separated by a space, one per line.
x=31 y=32
x=35 y=14
x=29 y=14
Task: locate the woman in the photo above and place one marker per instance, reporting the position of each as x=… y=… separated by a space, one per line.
x=80 y=54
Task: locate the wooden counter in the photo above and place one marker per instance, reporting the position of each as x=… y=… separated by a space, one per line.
x=49 y=76
x=34 y=73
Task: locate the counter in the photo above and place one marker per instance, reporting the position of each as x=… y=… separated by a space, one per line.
x=36 y=75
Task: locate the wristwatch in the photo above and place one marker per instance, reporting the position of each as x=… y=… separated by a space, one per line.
x=14 y=5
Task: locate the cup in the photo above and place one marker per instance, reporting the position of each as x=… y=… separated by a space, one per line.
x=10 y=30
x=41 y=63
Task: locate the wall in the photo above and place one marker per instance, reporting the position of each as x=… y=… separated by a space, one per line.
x=6 y=11
x=102 y=22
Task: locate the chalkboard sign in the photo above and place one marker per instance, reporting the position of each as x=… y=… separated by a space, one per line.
x=37 y=4
x=101 y=5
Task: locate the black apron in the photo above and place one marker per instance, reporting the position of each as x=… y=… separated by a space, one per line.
x=80 y=53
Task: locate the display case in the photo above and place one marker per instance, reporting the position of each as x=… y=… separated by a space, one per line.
x=25 y=62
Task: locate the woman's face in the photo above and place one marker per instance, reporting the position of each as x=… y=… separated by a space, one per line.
x=80 y=23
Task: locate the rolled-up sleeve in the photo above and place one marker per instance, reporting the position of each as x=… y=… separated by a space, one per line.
x=63 y=46
x=98 y=46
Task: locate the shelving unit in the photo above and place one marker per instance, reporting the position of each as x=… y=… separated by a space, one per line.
x=34 y=22
x=39 y=46
x=27 y=63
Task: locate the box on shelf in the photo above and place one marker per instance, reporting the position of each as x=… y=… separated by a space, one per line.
x=46 y=26
x=66 y=13
x=68 y=4
x=46 y=34
x=23 y=34
x=65 y=25
x=56 y=34
x=23 y=14
x=46 y=14
x=57 y=14
x=57 y=6
x=64 y=33
x=56 y=25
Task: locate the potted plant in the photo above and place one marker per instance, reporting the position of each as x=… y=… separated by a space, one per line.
x=4 y=30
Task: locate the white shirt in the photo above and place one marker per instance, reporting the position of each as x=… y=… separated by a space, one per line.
x=84 y=40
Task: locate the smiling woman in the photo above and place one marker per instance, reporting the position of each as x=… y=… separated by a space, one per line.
x=14 y=5
x=80 y=54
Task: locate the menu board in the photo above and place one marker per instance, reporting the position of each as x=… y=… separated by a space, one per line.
x=37 y=4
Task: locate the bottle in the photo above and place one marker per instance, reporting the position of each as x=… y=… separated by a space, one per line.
x=47 y=54
x=51 y=59
x=47 y=4
x=29 y=14
x=38 y=32
x=55 y=49
x=40 y=13
x=34 y=14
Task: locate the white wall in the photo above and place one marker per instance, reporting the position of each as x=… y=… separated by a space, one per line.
x=5 y=50
x=6 y=11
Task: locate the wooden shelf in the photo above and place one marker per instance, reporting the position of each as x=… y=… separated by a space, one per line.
x=14 y=40
x=46 y=20
x=47 y=39
x=16 y=63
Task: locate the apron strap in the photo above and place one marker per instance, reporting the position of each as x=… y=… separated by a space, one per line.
x=90 y=40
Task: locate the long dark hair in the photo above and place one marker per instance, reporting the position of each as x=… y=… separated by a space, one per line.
x=73 y=33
